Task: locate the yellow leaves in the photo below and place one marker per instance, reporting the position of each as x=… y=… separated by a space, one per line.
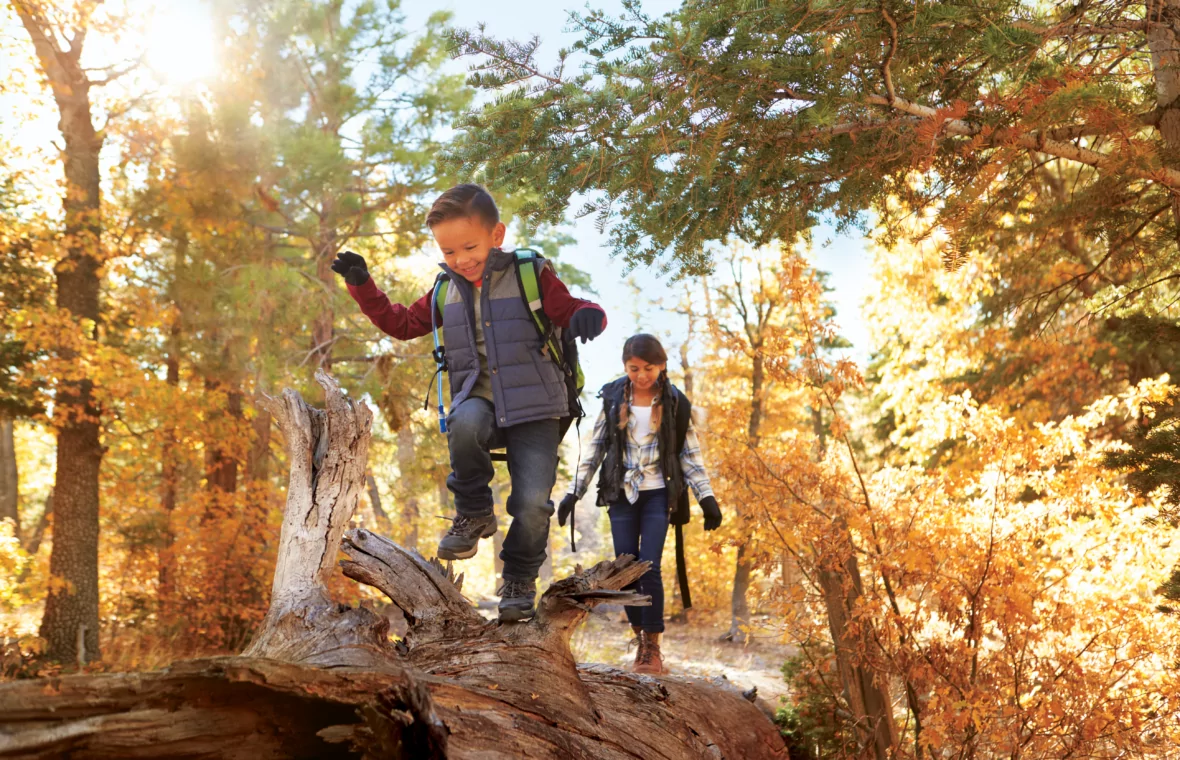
x=55 y=584
x=12 y=562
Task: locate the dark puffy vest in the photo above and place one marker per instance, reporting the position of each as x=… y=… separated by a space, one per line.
x=673 y=430
x=526 y=384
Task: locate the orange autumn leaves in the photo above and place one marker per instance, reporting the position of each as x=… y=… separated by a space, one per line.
x=1009 y=578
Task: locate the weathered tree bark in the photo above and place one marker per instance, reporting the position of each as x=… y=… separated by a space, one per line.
x=9 y=473
x=72 y=606
x=324 y=680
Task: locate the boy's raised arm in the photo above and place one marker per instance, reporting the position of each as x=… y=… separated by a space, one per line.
x=402 y=322
x=559 y=304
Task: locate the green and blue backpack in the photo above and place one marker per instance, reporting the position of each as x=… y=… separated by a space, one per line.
x=556 y=344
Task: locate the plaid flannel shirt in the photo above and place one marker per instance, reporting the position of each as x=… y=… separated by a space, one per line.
x=641 y=458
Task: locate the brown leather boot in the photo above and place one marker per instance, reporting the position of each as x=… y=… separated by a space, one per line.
x=640 y=648
x=652 y=663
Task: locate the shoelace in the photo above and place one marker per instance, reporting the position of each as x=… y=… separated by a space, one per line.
x=461 y=526
x=515 y=589
x=641 y=655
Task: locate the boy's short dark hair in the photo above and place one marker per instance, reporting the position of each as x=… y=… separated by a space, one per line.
x=464 y=202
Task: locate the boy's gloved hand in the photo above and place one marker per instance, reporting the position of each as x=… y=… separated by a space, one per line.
x=712 y=513
x=352 y=266
x=586 y=323
x=566 y=508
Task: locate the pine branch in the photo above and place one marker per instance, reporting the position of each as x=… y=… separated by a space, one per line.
x=1030 y=140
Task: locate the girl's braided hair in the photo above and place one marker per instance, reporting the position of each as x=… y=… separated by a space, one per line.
x=649 y=349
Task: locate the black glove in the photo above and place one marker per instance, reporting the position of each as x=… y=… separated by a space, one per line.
x=352 y=266
x=586 y=323
x=712 y=513
x=566 y=508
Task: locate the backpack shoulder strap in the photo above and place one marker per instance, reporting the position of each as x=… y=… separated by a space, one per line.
x=529 y=284
x=437 y=303
x=530 y=291
x=683 y=416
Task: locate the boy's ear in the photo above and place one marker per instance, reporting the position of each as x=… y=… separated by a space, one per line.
x=498 y=233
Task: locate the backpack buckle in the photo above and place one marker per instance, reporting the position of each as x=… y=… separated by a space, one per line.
x=440 y=358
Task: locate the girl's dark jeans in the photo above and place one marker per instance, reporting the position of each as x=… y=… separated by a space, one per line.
x=639 y=529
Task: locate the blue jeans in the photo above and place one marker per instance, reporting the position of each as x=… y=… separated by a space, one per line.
x=532 y=463
x=639 y=529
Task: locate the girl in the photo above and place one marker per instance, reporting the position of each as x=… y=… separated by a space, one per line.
x=645 y=443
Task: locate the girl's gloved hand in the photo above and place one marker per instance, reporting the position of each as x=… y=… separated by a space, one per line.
x=352 y=266
x=712 y=513
x=566 y=508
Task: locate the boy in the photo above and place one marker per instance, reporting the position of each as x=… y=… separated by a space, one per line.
x=505 y=388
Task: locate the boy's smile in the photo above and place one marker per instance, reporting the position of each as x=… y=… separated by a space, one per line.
x=466 y=242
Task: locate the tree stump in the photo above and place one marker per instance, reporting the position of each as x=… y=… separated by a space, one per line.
x=324 y=680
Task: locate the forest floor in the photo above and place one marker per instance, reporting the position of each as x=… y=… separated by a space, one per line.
x=694 y=649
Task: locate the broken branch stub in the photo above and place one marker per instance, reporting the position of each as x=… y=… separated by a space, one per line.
x=328 y=451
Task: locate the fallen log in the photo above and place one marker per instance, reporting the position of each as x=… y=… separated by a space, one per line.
x=324 y=680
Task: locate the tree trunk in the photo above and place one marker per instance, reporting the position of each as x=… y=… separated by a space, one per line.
x=169 y=466
x=743 y=566
x=406 y=456
x=323 y=325
x=32 y=539
x=1163 y=40
x=866 y=692
x=221 y=466
x=739 y=622
x=379 y=514
x=71 y=607
x=9 y=474
x=323 y=680
x=258 y=461
x=838 y=573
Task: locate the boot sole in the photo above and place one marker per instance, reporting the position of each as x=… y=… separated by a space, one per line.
x=449 y=554
x=515 y=616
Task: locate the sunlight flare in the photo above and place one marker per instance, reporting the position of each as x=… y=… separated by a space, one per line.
x=180 y=45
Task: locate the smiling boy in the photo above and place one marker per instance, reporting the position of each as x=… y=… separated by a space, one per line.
x=506 y=389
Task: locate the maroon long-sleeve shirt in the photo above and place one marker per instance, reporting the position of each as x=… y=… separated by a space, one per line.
x=413 y=321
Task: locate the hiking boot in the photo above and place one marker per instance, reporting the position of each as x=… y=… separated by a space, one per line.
x=516 y=600
x=649 y=662
x=462 y=540
x=640 y=647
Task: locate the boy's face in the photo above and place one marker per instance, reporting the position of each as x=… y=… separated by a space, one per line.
x=642 y=373
x=465 y=243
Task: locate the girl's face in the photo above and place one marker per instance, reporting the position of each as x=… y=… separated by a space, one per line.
x=643 y=374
